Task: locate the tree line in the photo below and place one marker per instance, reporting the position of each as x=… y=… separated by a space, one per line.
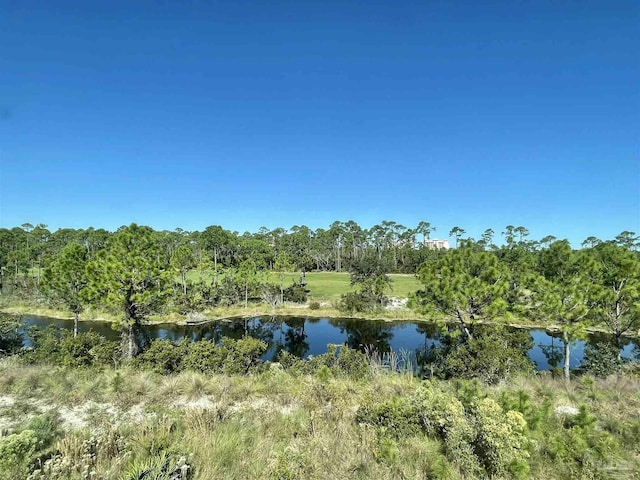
x=137 y=271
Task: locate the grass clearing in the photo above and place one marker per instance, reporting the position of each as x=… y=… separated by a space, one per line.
x=326 y=286
x=275 y=425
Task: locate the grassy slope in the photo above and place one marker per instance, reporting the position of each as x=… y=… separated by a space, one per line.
x=277 y=426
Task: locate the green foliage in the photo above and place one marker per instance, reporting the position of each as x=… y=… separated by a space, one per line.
x=182 y=261
x=66 y=277
x=562 y=290
x=18 y=451
x=163 y=356
x=16 y=454
x=500 y=442
x=324 y=374
x=397 y=417
x=492 y=354
x=10 y=341
x=488 y=358
x=442 y=415
x=289 y=465
x=369 y=276
x=535 y=413
x=579 y=449
x=322 y=425
x=202 y=357
x=231 y=357
x=465 y=284
x=602 y=359
x=336 y=362
x=291 y=363
x=342 y=361
x=59 y=346
x=128 y=277
x=45 y=427
x=616 y=299
x=480 y=439
x=296 y=293
x=162 y=466
x=241 y=357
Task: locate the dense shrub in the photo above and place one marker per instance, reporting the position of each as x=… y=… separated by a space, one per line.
x=602 y=359
x=10 y=341
x=296 y=293
x=500 y=443
x=232 y=357
x=163 y=356
x=229 y=291
x=442 y=415
x=291 y=363
x=398 y=417
x=481 y=440
x=339 y=360
x=352 y=363
x=352 y=302
x=18 y=451
x=59 y=346
x=491 y=355
x=314 y=305
x=577 y=447
x=342 y=361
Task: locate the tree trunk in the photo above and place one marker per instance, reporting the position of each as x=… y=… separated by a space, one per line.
x=75 y=324
x=130 y=340
x=464 y=327
x=567 y=353
x=184 y=283
x=215 y=267
x=246 y=295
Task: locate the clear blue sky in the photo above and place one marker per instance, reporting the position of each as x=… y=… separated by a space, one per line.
x=279 y=113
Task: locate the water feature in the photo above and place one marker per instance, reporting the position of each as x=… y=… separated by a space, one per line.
x=303 y=336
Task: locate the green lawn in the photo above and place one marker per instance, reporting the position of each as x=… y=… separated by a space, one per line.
x=330 y=285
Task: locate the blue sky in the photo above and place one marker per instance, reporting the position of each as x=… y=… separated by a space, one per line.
x=193 y=113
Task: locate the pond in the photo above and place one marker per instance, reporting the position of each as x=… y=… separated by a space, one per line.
x=303 y=336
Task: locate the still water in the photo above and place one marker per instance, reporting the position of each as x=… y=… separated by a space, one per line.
x=303 y=336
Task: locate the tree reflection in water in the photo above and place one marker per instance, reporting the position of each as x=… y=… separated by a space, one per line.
x=363 y=334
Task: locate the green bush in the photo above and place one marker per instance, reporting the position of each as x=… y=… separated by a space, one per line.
x=16 y=454
x=602 y=359
x=491 y=355
x=500 y=442
x=231 y=357
x=480 y=440
x=18 y=451
x=291 y=363
x=60 y=347
x=342 y=361
x=296 y=293
x=443 y=416
x=241 y=357
x=397 y=416
x=202 y=357
x=163 y=356
x=314 y=305
x=10 y=341
x=361 y=301
x=352 y=363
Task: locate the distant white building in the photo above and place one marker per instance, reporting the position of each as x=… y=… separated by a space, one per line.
x=436 y=244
